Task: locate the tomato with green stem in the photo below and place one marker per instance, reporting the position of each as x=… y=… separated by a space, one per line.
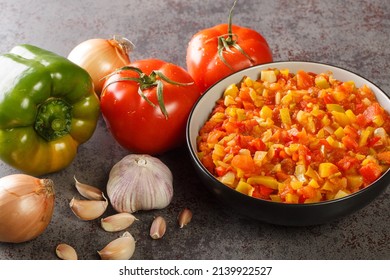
x=219 y=51
x=146 y=105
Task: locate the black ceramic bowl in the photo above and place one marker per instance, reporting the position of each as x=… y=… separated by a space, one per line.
x=275 y=212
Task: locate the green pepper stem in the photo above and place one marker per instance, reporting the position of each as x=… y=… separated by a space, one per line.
x=54 y=119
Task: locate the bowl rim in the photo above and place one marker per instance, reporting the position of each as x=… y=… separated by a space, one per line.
x=260 y=200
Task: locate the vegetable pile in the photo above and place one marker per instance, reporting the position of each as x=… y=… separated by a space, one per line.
x=296 y=138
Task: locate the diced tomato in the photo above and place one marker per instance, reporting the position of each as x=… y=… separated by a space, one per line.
x=304 y=80
x=208 y=162
x=351 y=131
x=257 y=145
x=370 y=172
x=347 y=162
x=307 y=192
x=384 y=157
x=372 y=141
x=220 y=170
x=261 y=191
x=244 y=162
x=371 y=112
x=328 y=99
x=350 y=143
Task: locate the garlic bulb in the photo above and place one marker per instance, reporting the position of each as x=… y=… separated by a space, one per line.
x=139 y=182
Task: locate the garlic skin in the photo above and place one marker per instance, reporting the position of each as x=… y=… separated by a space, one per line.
x=139 y=182
x=121 y=248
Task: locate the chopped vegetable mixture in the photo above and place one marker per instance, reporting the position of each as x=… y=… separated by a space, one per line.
x=296 y=138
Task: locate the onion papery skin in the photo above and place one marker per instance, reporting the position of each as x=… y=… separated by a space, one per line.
x=100 y=57
x=139 y=182
x=26 y=207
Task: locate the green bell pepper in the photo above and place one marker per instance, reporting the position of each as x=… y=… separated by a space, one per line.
x=48 y=107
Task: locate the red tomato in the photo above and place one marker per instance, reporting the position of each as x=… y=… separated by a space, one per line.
x=135 y=123
x=204 y=61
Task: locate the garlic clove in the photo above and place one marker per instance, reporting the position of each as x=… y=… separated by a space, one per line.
x=184 y=217
x=121 y=248
x=66 y=252
x=87 y=191
x=88 y=209
x=158 y=228
x=117 y=222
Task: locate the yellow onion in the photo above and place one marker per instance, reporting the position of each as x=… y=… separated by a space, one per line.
x=26 y=207
x=100 y=57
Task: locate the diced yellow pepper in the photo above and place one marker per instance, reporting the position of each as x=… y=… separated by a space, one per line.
x=240 y=173
x=228 y=178
x=296 y=185
x=266 y=112
x=218 y=117
x=351 y=115
x=284 y=72
x=241 y=115
x=328 y=186
x=339 y=95
x=244 y=188
x=248 y=82
x=285 y=116
x=378 y=120
x=267 y=181
x=340 y=194
x=287 y=99
x=365 y=135
x=326 y=169
x=321 y=82
x=314 y=184
x=341 y=118
x=354 y=181
x=275 y=198
x=231 y=90
x=321 y=133
x=335 y=107
x=339 y=133
x=257 y=85
x=219 y=151
x=292 y=198
x=334 y=143
x=325 y=121
x=229 y=100
x=310 y=172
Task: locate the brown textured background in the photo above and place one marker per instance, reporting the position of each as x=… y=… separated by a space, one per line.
x=352 y=34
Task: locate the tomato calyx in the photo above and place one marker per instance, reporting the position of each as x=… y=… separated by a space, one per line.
x=148 y=81
x=226 y=41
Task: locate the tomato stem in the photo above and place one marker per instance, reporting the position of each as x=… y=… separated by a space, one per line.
x=224 y=43
x=148 y=81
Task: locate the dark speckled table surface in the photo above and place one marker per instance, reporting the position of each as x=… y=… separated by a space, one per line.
x=352 y=34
